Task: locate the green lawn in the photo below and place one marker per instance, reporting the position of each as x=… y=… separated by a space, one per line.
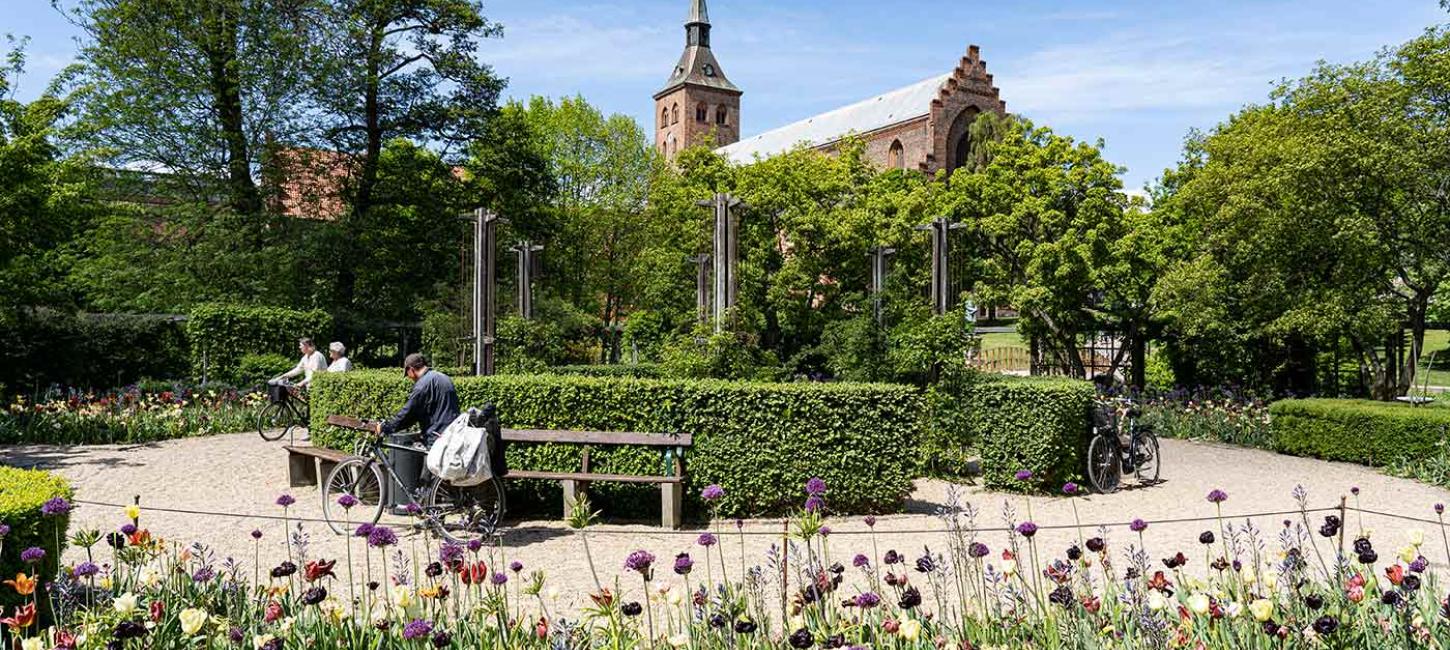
x=1438 y=341
x=1002 y=340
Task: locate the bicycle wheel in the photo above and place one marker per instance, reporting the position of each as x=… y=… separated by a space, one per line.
x=1104 y=470
x=273 y=422
x=1145 y=458
x=361 y=478
x=463 y=514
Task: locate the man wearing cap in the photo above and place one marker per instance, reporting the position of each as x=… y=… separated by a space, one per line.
x=432 y=404
x=340 y=362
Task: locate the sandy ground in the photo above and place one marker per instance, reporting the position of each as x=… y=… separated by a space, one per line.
x=243 y=474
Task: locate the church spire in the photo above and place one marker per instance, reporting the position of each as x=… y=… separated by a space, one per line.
x=697 y=26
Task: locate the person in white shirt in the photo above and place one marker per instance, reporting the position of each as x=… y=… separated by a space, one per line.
x=312 y=362
x=340 y=362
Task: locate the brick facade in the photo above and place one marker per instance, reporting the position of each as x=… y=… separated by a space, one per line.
x=715 y=129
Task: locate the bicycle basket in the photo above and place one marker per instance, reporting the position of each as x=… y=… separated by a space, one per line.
x=276 y=393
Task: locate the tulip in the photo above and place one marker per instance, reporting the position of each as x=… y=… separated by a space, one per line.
x=1198 y=603
x=910 y=629
x=1261 y=609
x=125 y=604
x=192 y=619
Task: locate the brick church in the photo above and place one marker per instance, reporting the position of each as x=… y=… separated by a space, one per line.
x=923 y=126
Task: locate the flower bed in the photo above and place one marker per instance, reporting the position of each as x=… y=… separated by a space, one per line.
x=1210 y=414
x=129 y=415
x=1316 y=583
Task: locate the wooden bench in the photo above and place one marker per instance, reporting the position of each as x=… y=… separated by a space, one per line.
x=305 y=464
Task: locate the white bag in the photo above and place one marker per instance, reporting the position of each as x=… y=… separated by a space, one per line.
x=461 y=455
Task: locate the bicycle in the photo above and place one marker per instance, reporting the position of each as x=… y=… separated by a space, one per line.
x=457 y=513
x=1108 y=460
x=287 y=408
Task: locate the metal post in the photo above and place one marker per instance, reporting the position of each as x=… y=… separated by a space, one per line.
x=877 y=284
x=940 y=256
x=725 y=248
x=702 y=285
x=485 y=294
x=525 y=276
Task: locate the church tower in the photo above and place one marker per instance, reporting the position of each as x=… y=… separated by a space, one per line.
x=698 y=104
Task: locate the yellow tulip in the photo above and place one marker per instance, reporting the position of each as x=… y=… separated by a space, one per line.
x=1409 y=553
x=1156 y=601
x=124 y=604
x=1009 y=567
x=910 y=629
x=192 y=619
x=1261 y=609
x=32 y=644
x=261 y=640
x=1417 y=537
x=1198 y=603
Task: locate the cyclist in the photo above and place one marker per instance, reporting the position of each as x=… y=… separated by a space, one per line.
x=312 y=362
x=338 y=352
x=432 y=404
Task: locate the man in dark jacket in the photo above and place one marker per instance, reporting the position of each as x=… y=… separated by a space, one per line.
x=432 y=405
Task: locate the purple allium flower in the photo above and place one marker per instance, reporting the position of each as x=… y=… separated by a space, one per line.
x=683 y=564
x=867 y=600
x=347 y=501
x=235 y=634
x=1217 y=496
x=55 y=507
x=128 y=529
x=382 y=536
x=86 y=569
x=285 y=500
x=825 y=531
x=1024 y=474
x=516 y=566
x=978 y=550
x=203 y=574
x=450 y=553
x=860 y=561
x=4 y=530
x=413 y=508
x=870 y=521
x=442 y=639
x=498 y=579
x=1069 y=488
x=814 y=504
x=1027 y=529
x=712 y=492
x=256 y=534
x=1439 y=508
x=475 y=545
x=1138 y=526
x=639 y=561
x=815 y=487
x=363 y=530
x=417 y=629
x=706 y=540
x=1354 y=490
x=32 y=555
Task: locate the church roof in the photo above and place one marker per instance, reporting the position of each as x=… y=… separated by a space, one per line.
x=894 y=107
x=697 y=65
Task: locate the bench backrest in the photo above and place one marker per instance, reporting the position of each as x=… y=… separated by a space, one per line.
x=599 y=437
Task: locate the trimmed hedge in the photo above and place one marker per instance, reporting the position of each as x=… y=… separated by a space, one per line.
x=759 y=441
x=636 y=371
x=22 y=492
x=1039 y=424
x=41 y=347
x=1358 y=431
x=222 y=335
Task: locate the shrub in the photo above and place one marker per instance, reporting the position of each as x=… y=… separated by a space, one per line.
x=1359 y=431
x=1016 y=423
x=22 y=492
x=221 y=335
x=256 y=369
x=623 y=370
x=754 y=439
x=43 y=347
x=707 y=354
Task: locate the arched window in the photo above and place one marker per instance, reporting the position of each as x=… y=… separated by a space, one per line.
x=722 y=114
x=675 y=114
x=664 y=117
x=701 y=112
x=896 y=156
x=673 y=146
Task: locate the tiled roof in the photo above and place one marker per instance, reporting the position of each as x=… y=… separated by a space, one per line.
x=897 y=106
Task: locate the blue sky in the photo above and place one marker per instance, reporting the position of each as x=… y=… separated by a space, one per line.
x=1137 y=74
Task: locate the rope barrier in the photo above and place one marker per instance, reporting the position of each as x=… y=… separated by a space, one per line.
x=770 y=533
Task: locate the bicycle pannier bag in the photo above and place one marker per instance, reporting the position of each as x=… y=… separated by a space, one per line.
x=462 y=455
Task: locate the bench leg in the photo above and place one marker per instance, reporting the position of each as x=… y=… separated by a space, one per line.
x=672 y=504
x=300 y=470
x=572 y=490
x=324 y=468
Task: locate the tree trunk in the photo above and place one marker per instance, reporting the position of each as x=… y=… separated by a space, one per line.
x=221 y=52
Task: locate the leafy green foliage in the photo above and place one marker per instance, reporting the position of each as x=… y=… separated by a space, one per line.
x=759 y=441
x=22 y=492
x=222 y=335
x=1358 y=431
x=49 y=346
x=625 y=370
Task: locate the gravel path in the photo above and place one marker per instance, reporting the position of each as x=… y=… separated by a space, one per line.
x=243 y=474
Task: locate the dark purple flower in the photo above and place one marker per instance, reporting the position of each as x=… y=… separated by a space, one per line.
x=417 y=629
x=55 y=507
x=128 y=529
x=860 y=561
x=314 y=596
x=891 y=557
x=235 y=634
x=1217 y=496
x=442 y=639
x=413 y=508
x=32 y=555
x=1439 y=508
x=450 y=553
x=825 y=531
x=978 y=550
x=1138 y=526
x=683 y=564
x=814 y=504
x=1354 y=490
x=1069 y=488
x=86 y=569
x=870 y=521
x=256 y=534
x=1024 y=474
x=815 y=487
x=1027 y=529
x=639 y=561
x=475 y=545
x=203 y=574
x=1419 y=565
x=631 y=609
x=867 y=600
x=382 y=536
x=706 y=539
x=498 y=579
x=4 y=530
x=286 y=500
x=347 y=501
x=516 y=566
x=712 y=492
x=363 y=530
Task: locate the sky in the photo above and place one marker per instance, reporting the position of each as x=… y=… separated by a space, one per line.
x=1138 y=75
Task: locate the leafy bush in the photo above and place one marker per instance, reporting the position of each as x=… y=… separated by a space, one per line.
x=1359 y=431
x=924 y=346
x=1016 y=423
x=129 y=415
x=727 y=354
x=44 y=346
x=256 y=369
x=22 y=492
x=632 y=370
x=754 y=439
x=221 y=335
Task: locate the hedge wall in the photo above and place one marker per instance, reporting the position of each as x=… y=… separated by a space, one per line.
x=1359 y=431
x=636 y=370
x=41 y=347
x=1035 y=423
x=222 y=334
x=759 y=441
x=22 y=492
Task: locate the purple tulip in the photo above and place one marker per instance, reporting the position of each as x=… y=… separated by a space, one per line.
x=683 y=564
x=860 y=561
x=286 y=500
x=256 y=534
x=870 y=521
x=516 y=566
x=1027 y=529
